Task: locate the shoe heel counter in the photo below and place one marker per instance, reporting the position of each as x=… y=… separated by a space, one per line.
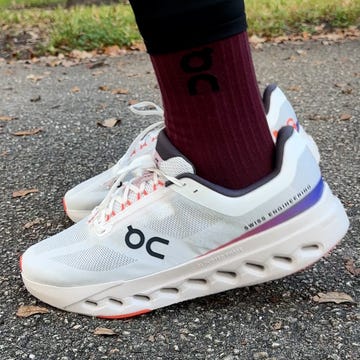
x=300 y=164
x=281 y=113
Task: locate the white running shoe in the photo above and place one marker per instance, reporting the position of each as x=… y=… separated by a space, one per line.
x=81 y=200
x=167 y=235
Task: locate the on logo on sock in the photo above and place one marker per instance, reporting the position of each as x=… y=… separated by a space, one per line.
x=197 y=62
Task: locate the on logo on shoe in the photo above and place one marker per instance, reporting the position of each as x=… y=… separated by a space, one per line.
x=134 y=243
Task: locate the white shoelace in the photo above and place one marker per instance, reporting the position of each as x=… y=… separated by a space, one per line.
x=147 y=178
x=142 y=168
x=144 y=108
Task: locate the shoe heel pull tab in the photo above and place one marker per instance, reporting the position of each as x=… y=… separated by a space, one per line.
x=283 y=135
x=146 y=108
x=267 y=96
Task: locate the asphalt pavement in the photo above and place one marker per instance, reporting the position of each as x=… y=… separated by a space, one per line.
x=278 y=320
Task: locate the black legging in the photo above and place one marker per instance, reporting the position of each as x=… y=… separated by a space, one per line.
x=172 y=25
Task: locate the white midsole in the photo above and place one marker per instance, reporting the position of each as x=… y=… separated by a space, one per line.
x=272 y=254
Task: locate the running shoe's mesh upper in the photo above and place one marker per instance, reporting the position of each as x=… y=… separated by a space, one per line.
x=97 y=258
x=59 y=241
x=181 y=219
x=175 y=166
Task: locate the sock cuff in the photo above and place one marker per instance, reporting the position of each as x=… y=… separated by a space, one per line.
x=170 y=26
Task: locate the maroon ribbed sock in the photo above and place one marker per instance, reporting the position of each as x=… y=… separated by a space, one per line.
x=214 y=113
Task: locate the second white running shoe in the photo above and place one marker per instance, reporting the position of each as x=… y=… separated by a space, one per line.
x=81 y=200
x=167 y=235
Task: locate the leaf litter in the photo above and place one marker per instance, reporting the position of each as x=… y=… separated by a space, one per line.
x=333 y=297
x=24 y=192
x=29 y=310
x=109 y=123
x=104 y=331
x=351 y=267
x=75 y=89
x=7 y=118
x=345 y=117
x=35 y=78
x=27 y=132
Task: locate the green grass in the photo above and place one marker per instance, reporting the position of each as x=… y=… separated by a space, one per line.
x=84 y=28
x=15 y=4
x=93 y=27
x=279 y=17
x=89 y=28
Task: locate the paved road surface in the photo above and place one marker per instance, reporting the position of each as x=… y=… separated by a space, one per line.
x=278 y=320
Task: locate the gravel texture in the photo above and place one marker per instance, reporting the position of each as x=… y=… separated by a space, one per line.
x=277 y=320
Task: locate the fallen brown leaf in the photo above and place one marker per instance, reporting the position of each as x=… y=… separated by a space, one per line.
x=340 y=85
x=35 y=98
x=254 y=39
x=32 y=223
x=151 y=338
x=24 y=192
x=104 y=331
x=277 y=326
x=109 y=123
x=53 y=62
x=28 y=310
x=334 y=36
x=113 y=351
x=351 y=268
x=96 y=64
x=347 y=90
x=104 y=88
x=27 y=132
x=7 y=118
x=4 y=153
x=81 y=54
x=138 y=46
x=333 y=297
x=319 y=117
x=345 y=117
x=35 y=78
x=306 y=35
x=119 y=91
x=68 y=63
x=294 y=88
x=280 y=39
x=114 y=51
x=132 y=102
x=75 y=89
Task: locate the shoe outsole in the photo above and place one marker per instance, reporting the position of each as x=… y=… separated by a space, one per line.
x=272 y=254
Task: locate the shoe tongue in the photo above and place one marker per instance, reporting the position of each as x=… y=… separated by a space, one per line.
x=169 y=159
